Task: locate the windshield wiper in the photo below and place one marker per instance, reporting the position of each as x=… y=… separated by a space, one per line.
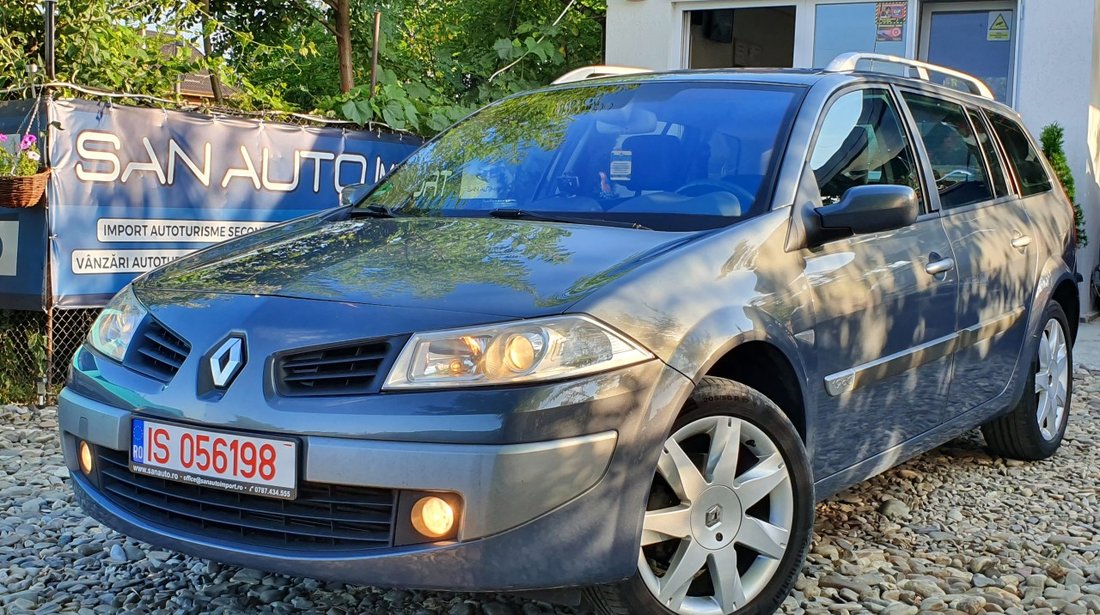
x=372 y=211
x=519 y=214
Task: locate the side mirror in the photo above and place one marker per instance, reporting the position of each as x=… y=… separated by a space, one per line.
x=868 y=209
x=353 y=193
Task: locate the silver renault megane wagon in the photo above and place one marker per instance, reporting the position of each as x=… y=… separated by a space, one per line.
x=619 y=334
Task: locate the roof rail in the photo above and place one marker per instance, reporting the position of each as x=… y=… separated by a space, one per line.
x=847 y=62
x=595 y=72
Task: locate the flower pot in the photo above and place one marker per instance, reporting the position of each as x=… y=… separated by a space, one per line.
x=25 y=191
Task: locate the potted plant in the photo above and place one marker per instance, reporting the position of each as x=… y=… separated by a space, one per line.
x=22 y=183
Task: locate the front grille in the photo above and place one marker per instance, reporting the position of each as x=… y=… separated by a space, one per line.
x=342 y=370
x=330 y=518
x=157 y=353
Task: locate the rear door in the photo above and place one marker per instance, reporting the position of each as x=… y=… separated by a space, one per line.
x=990 y=236
x=884 y=303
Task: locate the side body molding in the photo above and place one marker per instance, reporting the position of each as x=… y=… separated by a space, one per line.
x=901 y=362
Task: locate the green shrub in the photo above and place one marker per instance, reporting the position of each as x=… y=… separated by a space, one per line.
x=22 y=355
x=1053 y=140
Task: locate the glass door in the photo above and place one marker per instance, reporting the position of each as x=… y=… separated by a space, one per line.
x=978 y=38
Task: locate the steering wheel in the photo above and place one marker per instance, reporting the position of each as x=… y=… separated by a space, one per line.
x=706 y=186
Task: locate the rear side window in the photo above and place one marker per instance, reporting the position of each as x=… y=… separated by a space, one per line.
x=862 y=142
x=996 y=171
x=1022 y=155
x=958 y=165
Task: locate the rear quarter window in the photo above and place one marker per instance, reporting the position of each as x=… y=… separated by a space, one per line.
x=1023 y=157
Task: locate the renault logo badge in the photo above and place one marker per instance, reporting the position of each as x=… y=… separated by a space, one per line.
x=714 y=517
x=226 y=361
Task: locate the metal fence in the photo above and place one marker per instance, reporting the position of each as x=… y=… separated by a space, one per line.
x=35 y=349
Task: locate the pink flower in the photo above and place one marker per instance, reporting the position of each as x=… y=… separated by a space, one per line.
x=28 y=142
x=33 y=156
x=3 y=138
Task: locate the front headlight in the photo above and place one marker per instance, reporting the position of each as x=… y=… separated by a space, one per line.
x=509 y=353
x=114 y=328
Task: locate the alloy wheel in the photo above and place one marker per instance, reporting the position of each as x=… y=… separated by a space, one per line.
x=719 y=517
x=1051 y=380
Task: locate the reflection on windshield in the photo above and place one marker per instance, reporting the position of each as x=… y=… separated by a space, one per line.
x=666 y=155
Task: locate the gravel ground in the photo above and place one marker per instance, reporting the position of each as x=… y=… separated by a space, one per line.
x=953 y=531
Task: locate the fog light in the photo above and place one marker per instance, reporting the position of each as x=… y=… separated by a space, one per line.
x=433 y=517
x=85 y=458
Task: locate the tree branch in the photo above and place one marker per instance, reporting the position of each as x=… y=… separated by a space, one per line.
x=589 y=12
x=313 y=14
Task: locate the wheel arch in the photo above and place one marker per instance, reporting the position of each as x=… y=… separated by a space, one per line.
x=764 y=366
x=1068 y=296
x=770 y=365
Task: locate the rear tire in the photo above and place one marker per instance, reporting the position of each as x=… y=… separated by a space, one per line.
x=727 y=527
x=1034 y=428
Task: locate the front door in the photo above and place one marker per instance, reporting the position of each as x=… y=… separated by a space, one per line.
x=977 y=38
x=884 y=303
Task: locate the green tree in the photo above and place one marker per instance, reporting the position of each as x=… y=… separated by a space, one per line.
x=1053 y=140
x=438 y=61
x=95 y=46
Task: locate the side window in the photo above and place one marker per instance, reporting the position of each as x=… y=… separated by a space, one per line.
x=996 y=171
x=862 y=142
x=1021 y=153
x=957 y=162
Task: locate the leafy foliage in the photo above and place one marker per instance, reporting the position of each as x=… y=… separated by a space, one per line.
x=1053 y=141
x=438 y=61
x=22 y=355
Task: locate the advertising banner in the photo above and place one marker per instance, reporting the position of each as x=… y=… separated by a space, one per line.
x=133 y=188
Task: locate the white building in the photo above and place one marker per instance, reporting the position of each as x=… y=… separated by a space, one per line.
x=1040 y=56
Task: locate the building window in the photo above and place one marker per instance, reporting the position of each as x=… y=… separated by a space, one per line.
x=874 y=27
x=736 y=38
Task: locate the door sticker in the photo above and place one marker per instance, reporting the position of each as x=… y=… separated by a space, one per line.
x=890 y=20
x=621 y=165
x=999 y=26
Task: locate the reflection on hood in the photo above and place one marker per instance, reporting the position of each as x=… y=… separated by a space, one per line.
x=483 y=265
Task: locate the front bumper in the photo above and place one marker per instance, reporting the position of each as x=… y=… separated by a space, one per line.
x=555 y=513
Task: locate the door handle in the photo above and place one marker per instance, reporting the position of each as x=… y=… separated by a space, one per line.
x=1021 y=242
x=940 y=266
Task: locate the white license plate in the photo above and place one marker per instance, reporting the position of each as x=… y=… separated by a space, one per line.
x=222 y=460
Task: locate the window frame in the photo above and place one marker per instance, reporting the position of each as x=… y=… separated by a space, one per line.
x=1006 y=172
x=960 y=99
x=907 y=125
x=1010 y=169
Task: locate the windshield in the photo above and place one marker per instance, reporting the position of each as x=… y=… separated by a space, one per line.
x=667 y=156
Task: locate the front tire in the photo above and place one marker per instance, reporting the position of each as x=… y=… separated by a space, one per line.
x=1034 y=428
x=730 y=512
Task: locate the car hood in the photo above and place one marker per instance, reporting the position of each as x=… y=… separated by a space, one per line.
x=478 y=265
